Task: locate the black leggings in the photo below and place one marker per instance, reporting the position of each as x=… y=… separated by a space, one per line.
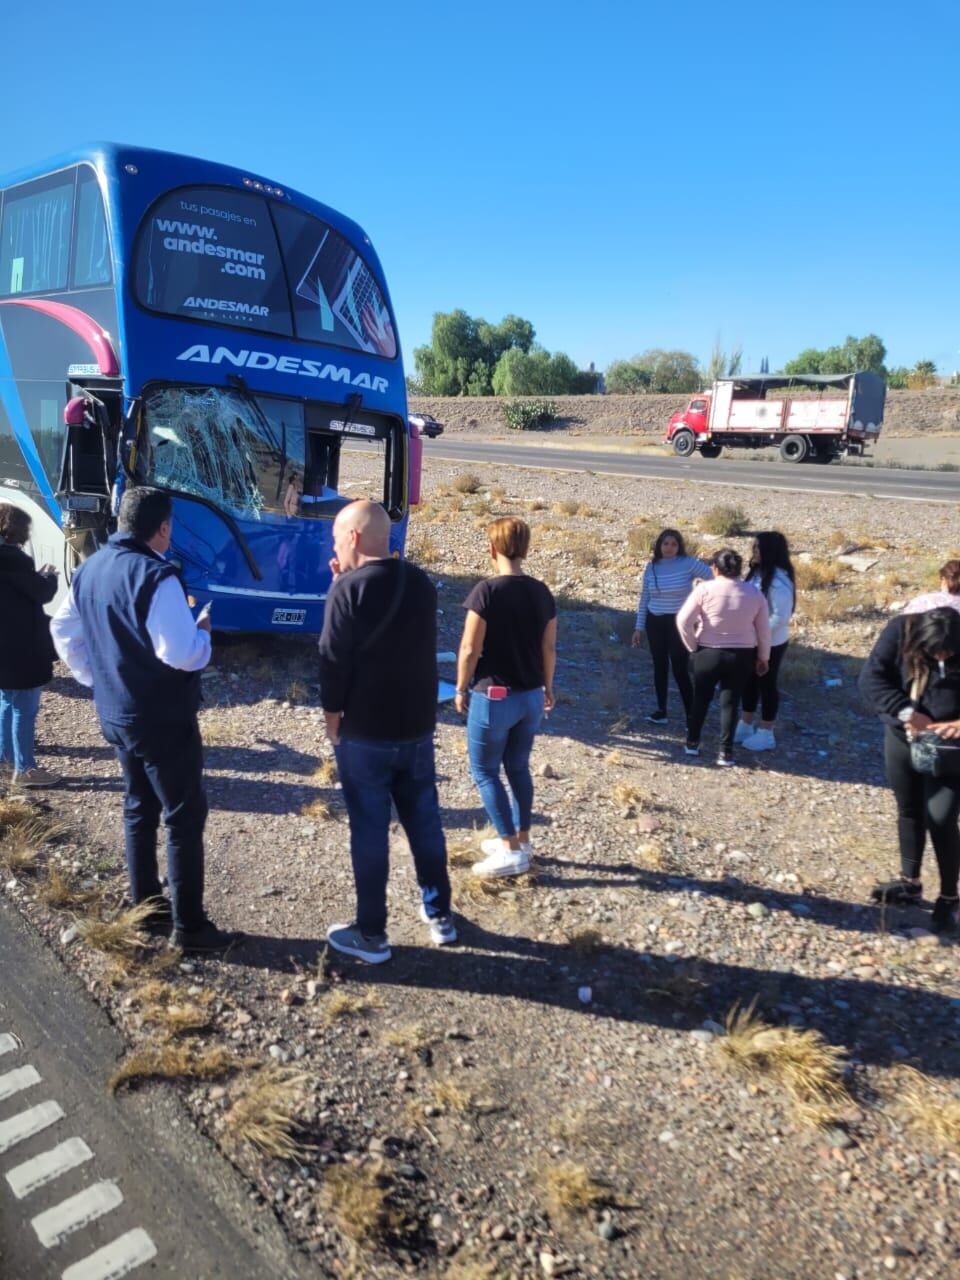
x=763 y=689
x=730 y=668
x=924 y=805
x=668 y=650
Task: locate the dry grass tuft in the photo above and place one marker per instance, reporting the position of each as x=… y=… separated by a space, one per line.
x=585 y=942
x=724 y=521
x=325 y=774
x=161 y=1006
x=614 y=758
x=317 y=809
x=567 y=507
x=221 y=728
x=22 y=841
x=164 y=1059
x=930 y=1107
x=264 y=1114
x=472 y=1268
x=467 y=482
x=651 y=857
x=809 y=1067
x=812 y=575
x=680 y=984
x=341 y=1004
x=298 y=691
x=448 y=1095
x=571 y=1189
x=626 y=796
x=13 y=812
x=503 y=890
x=358 y=1195
x=120 y=934
x=62 y=891
x=409 y=1038
x=460 y=853
x=424 y=550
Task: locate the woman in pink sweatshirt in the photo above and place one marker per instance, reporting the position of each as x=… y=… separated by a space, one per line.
x=725 y=624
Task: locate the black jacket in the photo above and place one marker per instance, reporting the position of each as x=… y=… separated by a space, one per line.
x=885 y=681
x=26 y=650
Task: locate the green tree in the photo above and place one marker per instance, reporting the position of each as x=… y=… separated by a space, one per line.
x=623 y=377
x=464 y=352
x=898 y=378
x=855 y=354
x=670 y=371
x=923 y=374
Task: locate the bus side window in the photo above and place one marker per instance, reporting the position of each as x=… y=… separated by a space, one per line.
x=91 y=249
x=35 y=235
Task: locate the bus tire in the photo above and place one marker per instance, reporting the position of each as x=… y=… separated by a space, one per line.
x=684 y=444
x=711 y=450
x=794 y=449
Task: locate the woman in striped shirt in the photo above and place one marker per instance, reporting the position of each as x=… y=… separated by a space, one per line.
x=667 y=581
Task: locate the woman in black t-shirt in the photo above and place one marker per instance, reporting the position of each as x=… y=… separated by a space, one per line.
x=505 y=674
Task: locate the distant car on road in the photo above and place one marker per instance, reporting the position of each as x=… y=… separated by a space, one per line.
x=428 y=425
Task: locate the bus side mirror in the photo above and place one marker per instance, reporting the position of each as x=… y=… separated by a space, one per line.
x=415 y=465
x=75 y=414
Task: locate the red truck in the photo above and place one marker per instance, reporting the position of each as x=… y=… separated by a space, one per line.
x=844 y=417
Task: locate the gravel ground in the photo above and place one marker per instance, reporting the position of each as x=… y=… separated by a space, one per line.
x=552 y=1097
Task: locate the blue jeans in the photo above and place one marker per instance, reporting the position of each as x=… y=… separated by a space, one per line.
x=371 y=775
x=163 y=774
x=18 y=716
x=502 y=732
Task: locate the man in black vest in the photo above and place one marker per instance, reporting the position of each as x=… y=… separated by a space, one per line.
x=127 y=630
x=378 y=687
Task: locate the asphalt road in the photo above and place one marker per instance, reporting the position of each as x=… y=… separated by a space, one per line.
x=877 y=482
x=93 y=1186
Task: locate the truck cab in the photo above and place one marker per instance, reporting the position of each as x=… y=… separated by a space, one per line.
x=686 y=425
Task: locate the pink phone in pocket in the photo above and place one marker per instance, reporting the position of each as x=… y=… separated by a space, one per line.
x=497 y=691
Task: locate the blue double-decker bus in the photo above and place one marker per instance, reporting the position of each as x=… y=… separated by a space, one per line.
x=169 y=321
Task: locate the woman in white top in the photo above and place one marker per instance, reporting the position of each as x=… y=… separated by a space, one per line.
x=772 y=572
x=948 y=597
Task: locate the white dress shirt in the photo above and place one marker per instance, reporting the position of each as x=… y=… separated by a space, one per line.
x=172 y=628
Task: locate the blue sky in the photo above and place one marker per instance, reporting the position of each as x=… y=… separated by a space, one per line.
x=624 y=175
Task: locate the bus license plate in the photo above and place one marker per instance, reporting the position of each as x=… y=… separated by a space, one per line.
x=289 y=617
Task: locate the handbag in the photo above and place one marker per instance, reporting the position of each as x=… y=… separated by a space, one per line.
x=929 y=753
x=938 y=757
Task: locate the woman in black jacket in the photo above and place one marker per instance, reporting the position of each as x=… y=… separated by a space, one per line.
x=26 y=650
x=912 y=681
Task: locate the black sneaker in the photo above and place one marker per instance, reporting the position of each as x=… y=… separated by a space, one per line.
x=691 y=748
x=205 y=940
x=899 y=890
x=657 y=717
x=945 y=917
x=725 y=760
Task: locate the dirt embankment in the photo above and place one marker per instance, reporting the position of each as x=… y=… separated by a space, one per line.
x=908 y=413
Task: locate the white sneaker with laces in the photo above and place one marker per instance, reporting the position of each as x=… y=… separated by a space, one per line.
x=761 y=740
x=743 y=732
x=503 y=862
x=496 y=845
x=443 y=932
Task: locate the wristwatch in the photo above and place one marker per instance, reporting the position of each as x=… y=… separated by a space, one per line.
x=906 y=714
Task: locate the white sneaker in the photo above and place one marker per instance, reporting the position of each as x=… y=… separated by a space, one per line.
x=504 y=862
x=496 y=845
x=743 y=732
x=443 y=932
x=760 y=740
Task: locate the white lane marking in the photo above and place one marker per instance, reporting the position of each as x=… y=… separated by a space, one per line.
x=20 y=1078
x=115 y=1259
x=27 y=1123
x=8 y=1042
x=48 y=1165
x=54 y=1225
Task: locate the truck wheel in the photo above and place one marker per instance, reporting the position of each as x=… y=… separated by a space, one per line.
x=794 y=449
x=711 y=450
x=684 y=444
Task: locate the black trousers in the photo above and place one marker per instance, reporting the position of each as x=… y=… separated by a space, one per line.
x=668 y=650
x=925 y=805
x=763 y=689
x=163 y=775
x=728 y=668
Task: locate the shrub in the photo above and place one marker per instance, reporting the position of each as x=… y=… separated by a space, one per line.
x=528 y=415
x=467 y=482
x=814 y=574
x=724 y=521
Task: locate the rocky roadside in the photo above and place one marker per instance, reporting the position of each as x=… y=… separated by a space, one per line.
x=552 y=1097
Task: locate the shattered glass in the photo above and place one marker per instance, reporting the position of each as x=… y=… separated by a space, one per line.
x=228 y=448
